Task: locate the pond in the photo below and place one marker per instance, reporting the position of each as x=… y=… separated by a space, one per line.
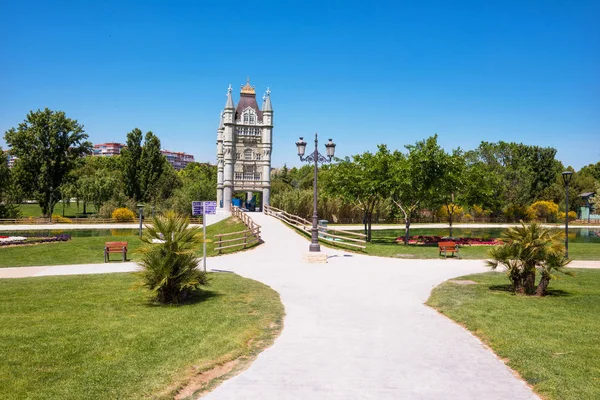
x=73 y=232
x=576 y=235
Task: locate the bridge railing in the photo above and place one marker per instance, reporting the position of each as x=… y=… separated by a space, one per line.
x=326 y=233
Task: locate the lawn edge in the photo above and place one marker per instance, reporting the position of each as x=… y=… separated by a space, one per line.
x=481 y=340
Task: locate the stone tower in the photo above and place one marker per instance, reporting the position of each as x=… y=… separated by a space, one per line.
x=244 y=143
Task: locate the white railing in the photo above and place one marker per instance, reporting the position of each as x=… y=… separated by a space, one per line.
x=325 y=233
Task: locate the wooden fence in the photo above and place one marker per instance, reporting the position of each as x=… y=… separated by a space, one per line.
x=248 y=237
x=328 y=234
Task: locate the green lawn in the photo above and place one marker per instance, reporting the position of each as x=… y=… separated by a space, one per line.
x=553 y=342
x=34 y=210
x=92 y=336
x=81 y=250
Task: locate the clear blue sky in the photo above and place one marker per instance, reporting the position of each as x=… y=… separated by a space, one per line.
x=361 y=72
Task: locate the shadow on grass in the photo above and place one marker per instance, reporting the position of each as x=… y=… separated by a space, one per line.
x=196 y=297
x=549 y=292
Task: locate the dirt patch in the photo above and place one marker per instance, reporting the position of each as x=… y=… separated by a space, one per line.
x=198 y=382
x=463 y=282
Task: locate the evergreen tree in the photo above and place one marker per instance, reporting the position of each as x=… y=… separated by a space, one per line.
x=151 y=166
x=130 y=157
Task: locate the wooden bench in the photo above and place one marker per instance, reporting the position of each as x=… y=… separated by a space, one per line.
x=115 y=247
x=448 y=247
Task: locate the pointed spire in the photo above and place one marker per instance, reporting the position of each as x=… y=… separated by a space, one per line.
x=267 y=101
x=221 y=120
x=229 y=103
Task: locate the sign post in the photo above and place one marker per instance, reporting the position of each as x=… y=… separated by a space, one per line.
x=204 y=208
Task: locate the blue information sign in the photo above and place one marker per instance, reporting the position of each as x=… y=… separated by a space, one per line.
x=197 y=208
x=210 y=207
x=204 y=207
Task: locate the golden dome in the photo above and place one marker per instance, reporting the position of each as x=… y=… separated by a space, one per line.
x=247 y=89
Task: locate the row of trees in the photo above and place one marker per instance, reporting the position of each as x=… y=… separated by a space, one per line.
x=52 y=166
x=496 y=180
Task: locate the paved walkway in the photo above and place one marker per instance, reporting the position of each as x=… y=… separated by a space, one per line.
x=355 y=328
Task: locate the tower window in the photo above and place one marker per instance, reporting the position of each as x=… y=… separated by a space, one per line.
x=248 y=154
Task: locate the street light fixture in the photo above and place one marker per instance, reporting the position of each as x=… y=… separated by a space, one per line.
x=567 y=175
x=141 y=212
x=316 y=158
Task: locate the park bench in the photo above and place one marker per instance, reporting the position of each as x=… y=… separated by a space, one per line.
x=448 y=247
x=115 y=247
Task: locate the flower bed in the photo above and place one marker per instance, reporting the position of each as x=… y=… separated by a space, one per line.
x=463 y=241
x=24 y=240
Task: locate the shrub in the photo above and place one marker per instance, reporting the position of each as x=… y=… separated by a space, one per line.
x=62 y=220
x=169 y=263
x=123 y=214
x=546 y=211
x=468 y=218
x=572 y=215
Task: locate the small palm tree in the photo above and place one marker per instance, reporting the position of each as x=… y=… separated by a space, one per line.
x=529 y=248
x=169 y=264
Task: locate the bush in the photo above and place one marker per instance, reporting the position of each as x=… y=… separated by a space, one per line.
x=123 y=214
x=546 y=211
x=572 y=216
x=169 y=263
x=62 y=220
x=107 y=209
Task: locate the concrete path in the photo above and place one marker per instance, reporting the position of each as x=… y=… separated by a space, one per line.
x=356 y=328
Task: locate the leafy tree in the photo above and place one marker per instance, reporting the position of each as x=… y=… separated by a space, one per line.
x=169 y=267
x=362 y=180
x=527 y=249
x=152 y=163
x=450 y=189
x=592 y=170
x=166 y=185
x=48 y=146
x=414 y=177
x=130 y=157
x=198 y=182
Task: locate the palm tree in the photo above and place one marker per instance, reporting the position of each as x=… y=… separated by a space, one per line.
x=169 y=263
x=527 y=249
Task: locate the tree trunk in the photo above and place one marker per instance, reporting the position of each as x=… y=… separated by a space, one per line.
x=407 y=230
x=84 y=205
x=542 y=286
x=450 y=221
x=369 y=222
x=518 y=286
x=529 y=282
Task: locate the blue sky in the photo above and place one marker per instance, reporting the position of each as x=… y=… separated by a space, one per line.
x=362 y=73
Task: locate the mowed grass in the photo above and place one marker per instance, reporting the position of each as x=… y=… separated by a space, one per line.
x=92 y=336
x=85 y=250
x=553 y=342
x=383 y=243
x=71 y=210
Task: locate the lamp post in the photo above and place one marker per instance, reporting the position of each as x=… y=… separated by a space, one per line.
x=567 y=175
x=141 y=212
x=316 y=158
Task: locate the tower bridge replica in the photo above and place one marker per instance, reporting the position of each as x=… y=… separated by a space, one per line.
x=244 y=144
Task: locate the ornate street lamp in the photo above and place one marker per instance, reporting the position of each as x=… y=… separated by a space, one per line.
x=567 y=175
x=316 y=158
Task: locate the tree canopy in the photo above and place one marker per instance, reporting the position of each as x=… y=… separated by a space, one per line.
x=48 y=146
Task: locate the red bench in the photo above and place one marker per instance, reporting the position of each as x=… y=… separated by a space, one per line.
x=448 y=247
x=115 y=247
